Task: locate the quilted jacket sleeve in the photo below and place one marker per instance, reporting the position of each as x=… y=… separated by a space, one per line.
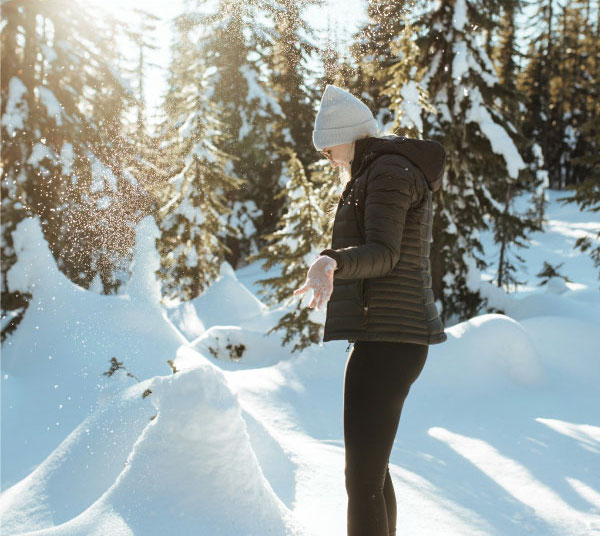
x=389 y=195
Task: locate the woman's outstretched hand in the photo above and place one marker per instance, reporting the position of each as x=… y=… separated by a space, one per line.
x=320 y=279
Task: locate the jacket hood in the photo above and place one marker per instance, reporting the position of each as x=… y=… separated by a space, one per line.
x=428 y=155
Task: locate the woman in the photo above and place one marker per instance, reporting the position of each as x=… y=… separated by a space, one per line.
x=376 y=281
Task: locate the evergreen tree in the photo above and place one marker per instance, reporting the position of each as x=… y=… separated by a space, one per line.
x=233 y=48
x=543 y=120
x=407 y=97
x=191 y=216
x=510 y=228
x=295 y=245
x=577 y=94
x=143 y=156
x=290 y=51
x=374 y=53
x=481 y=155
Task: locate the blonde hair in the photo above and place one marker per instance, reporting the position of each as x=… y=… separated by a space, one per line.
x=344 y=177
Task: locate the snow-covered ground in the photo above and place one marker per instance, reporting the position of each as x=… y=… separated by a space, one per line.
x=500 y=434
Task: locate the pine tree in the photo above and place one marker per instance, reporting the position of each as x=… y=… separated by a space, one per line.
x=57 y=162
x=543 y=122
x=233 y=45
x=373 y=50
x=481 y=156
x=407 y=97
x=142 y=162
x=294 y=246
x=191 y=216
x=510 y=228
x=288 y=59
x=577 y=88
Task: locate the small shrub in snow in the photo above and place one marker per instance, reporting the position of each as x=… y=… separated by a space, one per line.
x=549 y=271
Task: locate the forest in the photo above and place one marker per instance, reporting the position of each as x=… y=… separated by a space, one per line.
x=227 y=168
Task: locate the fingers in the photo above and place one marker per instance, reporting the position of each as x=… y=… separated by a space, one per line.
x=303 y=288
x=324 y=298
x=321 y=293
x=315 y=299
x=321 y=301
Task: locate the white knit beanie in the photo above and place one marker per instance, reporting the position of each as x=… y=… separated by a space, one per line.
x=342 y=118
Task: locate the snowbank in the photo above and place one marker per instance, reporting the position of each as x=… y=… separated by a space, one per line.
x=192 y=466
x=53 y=364
x=225 y=302
x=499 y=434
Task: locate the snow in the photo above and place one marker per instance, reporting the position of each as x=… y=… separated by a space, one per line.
x=460 y=64
x=410 y=105
x=39 y=152
x=499 y=139
x=59 y=352
x=48 y=53
x=143 y=286
x=460 y=15
x=499 y=435
x=257 y=93
x=49 y=100
x=101 y=175
x=16 y=110
x=517 y=481
x=225 y=302
x=67 y=158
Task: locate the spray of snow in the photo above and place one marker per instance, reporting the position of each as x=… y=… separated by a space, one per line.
x=101 y=175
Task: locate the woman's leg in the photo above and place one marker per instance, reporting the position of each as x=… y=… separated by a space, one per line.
x=377 y=379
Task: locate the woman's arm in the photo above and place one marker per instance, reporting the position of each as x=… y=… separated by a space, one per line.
x=389 y=196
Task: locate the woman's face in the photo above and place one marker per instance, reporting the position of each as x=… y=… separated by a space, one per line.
x=340 y=155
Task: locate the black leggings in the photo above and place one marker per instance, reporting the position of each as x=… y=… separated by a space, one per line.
x=377 y=379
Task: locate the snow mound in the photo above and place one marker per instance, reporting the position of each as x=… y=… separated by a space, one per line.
x=143 y=285
x=53 y=365
x=225 y=302
x=569 y=346
x=493 y=350
x=554 y=302
x=193 y=466
x=35 y=271
x=96 y=451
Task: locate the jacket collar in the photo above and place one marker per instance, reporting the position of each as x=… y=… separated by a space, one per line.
x=428 y=155
x=360 y=159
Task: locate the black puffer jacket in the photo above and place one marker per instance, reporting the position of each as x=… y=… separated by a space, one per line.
x=381 y=240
